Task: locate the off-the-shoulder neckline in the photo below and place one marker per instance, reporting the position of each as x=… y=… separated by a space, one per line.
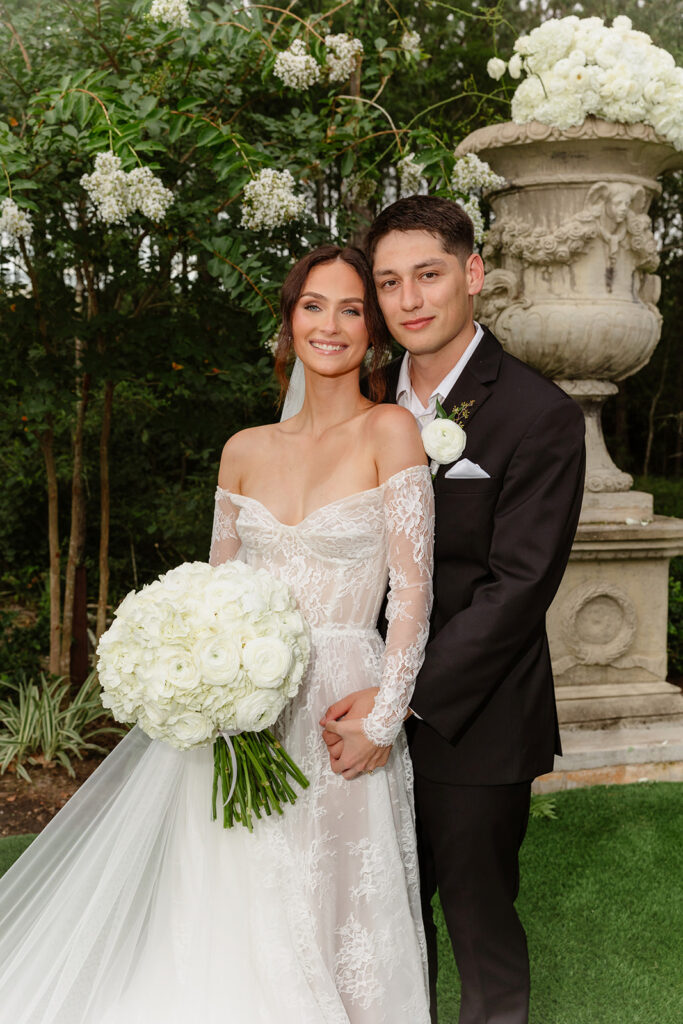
x=330 y=504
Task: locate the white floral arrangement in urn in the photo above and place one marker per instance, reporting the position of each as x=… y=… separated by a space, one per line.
x=580 y=67
x=211 y=654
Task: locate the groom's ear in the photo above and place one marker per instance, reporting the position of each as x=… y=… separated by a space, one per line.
x=474 y=274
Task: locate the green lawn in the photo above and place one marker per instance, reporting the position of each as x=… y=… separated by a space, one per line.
x=602 y=902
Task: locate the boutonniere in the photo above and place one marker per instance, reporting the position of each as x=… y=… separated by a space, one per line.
x=444 y=439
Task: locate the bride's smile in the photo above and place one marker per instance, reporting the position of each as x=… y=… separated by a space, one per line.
x=328 y=322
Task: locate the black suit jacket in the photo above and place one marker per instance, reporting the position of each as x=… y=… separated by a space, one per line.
x=485 y=692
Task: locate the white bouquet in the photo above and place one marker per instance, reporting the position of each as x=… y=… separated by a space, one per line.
x=207 y=653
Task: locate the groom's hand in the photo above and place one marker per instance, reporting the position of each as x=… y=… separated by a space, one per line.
x=353 y=705
x=359 y=754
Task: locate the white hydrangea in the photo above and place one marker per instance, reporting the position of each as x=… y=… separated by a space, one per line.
x=175 y=13
x=472 y=208
x=296 y=67
x=470 y=173
x=14 y=222
x=269 y=201
x=116 y=195
x=409 y=175
x=343 y=52
x=579 y=67
x=411 y=43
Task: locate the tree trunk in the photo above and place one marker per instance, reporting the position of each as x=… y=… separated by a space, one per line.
x=77 y=534
x=105 y=506
x=46 y=440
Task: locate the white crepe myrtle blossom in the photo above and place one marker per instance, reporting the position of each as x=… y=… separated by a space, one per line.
x=409 y=175
x=14 y=222
x=473 y=210
x=270 y=201
x=411 y=43
x=296 y=67
x=175 y=13
x=578 y=67
x=470 y=173
x=343 y=52
x=117 y=194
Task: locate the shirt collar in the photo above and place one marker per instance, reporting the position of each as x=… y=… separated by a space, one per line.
x=404 y=385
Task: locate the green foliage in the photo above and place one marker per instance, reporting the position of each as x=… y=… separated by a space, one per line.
x=543 y=805
x=42 y=720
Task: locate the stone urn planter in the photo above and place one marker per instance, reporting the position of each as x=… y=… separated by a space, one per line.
x=571 y=288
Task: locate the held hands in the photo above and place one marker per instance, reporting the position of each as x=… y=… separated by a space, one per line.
x=351 y=752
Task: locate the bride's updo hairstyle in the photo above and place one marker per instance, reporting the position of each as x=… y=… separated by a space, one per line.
x=295 y=281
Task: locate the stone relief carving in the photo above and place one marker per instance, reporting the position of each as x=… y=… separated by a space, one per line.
x=613 y=212
x=599 y=622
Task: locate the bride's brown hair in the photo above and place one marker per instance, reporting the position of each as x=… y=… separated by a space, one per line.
x=380 y=339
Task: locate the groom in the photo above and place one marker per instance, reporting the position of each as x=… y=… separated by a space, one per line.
x=484 y=720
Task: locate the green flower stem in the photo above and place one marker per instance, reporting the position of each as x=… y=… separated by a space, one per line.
x=261 y=781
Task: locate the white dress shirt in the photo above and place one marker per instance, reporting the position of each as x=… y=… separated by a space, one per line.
x=406 y=397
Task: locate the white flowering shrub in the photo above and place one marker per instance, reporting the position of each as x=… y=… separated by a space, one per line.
x=116 y=195
x=473 y=209
x=343 y=53
x=470 y=173
x=202 y=649
x=295 y=66
x=14 y=222
x=577 y=67
x=411 y=43
x=270 y=201
x=174 y=13
x=409 y=175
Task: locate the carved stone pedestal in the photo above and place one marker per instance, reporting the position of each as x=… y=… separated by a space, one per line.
x=608 y=625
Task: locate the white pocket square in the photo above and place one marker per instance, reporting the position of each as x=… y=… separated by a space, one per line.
x=464 y=469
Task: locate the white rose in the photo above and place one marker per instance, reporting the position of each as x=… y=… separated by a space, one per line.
x=258 y=710
x=444 y=441
x=267 y=661
x=496 y=68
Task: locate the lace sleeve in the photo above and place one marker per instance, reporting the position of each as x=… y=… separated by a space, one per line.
x=409 y=516
x=225 y=541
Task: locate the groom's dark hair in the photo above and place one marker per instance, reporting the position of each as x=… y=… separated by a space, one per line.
x=442 y=218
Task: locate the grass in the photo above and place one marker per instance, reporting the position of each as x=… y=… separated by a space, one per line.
x=602 y=904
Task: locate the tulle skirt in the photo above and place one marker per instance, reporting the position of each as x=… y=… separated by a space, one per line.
x=133 y=906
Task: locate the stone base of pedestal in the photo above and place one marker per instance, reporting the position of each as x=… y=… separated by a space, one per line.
x=608 y=624
x=614 y=704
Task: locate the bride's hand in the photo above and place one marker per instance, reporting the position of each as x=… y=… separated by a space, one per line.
x=358 y=753
x=354 y=705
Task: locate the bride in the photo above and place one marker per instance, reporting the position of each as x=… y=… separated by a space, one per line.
x=132 y=905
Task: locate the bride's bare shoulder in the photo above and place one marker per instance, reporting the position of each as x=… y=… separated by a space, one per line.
x=240 y=449
x=396 y=440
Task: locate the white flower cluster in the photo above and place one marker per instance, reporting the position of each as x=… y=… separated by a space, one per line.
x=473 y=210
x=578 y=67
x=14 y=222
x=117 y=195
x=296 y=67
x=470 y=173
x=172 y=12
x=269 y=201
x=202 y=649
x=411 y=43
x=409 y=175
x=343 y=52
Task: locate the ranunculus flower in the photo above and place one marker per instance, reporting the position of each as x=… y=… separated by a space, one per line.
x=267 y=661
x=259 y=710
x=444 y=441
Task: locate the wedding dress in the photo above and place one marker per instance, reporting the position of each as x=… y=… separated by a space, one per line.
x=133 y=906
